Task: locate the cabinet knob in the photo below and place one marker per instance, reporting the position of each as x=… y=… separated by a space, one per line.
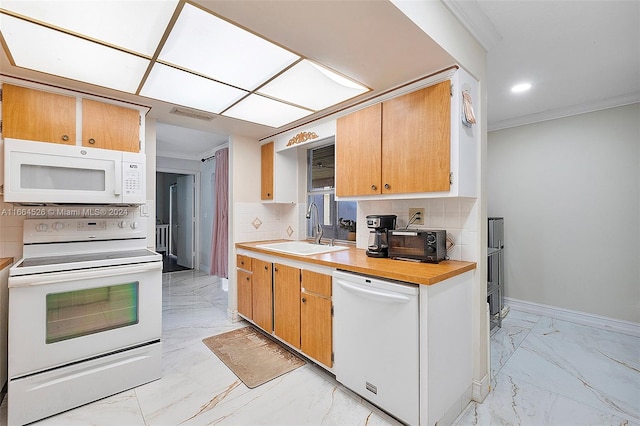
x=246 y=278
x=373 y=187
x=242 y=263
x=65 y=137
x=266 y=267
x=92 y=141
x=304 y=299
x=268 y=194
x=275 y=269
x=386 y=186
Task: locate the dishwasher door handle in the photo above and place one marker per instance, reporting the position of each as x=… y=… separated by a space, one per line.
x=375 y=294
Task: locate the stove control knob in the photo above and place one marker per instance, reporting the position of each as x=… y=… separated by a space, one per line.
x=122 y=224
x=134 y=225
x=57 y=226
x=41 y=227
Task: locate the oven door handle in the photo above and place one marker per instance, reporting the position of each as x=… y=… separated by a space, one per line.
x=80 y=275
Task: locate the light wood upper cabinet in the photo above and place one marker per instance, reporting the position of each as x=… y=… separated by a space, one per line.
x=416 y=135
x=110 y=126
x=358 y=152
x=279 y=174
x=262 y=294
x=43 y=116
x=316 y=325
x=38 y=116
x=286 y=284
x=266 y=171
x=398 y=146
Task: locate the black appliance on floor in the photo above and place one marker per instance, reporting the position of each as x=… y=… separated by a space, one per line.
x=495 y=271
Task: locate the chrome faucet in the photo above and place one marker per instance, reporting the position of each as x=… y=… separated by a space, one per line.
x=318 y=227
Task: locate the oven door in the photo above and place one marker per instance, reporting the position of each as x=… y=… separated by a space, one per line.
x=59 y=318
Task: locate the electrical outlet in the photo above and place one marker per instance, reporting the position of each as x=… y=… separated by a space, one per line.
x=418 y=219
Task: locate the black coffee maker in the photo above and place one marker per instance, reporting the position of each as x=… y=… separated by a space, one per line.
x=379 y=225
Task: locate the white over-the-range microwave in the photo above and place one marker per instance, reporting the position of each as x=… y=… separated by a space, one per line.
x=39 y=172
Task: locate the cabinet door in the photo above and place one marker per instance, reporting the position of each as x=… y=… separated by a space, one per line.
x=262 y=295
x=358 y=152
x=266 y=171
x=316 y=325
x=244 y=293
x=286 y=285
x=38 y=116
x=110 y=126
x=416 y=133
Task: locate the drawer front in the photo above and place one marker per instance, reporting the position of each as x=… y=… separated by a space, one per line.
x=243 y=262
x=314 y=282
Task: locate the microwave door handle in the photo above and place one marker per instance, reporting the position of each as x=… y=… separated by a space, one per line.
x=117 y=178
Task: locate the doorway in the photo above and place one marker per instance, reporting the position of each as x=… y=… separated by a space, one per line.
x=176 y=218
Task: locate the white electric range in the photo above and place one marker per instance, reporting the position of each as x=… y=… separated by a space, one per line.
x=85 y=314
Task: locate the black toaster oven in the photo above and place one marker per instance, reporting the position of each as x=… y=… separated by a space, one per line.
x=418 y=244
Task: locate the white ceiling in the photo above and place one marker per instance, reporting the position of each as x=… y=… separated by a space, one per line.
x=579 y=55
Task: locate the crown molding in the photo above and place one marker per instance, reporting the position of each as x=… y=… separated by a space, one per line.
x=628 y=99
x=471 y=15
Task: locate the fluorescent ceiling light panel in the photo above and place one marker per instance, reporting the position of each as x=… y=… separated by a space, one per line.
x=180 y=87
x=211 y=46
x=261 y=110
x=312 y=86
x=134 y=25
x=39 y=48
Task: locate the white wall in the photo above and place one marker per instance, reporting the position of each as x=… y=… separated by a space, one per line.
x=569 y=191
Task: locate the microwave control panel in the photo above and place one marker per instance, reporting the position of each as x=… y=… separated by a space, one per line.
x=132 y=179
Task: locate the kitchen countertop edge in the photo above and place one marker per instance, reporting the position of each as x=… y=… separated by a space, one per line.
x=355 y=260
x=5 y=261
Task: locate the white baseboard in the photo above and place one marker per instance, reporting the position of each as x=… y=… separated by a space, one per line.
x=591 y=320
x=480 y=389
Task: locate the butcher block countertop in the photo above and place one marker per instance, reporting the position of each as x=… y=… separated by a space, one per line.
x=5 y=261
x=356 y=260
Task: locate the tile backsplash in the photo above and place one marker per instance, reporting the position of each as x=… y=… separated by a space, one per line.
x=458 y=216
x=258 y=221
x=12 y=217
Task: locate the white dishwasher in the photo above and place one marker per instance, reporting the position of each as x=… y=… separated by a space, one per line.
x=376 y=342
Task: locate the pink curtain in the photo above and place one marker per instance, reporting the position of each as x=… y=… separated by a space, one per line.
x=220 y=237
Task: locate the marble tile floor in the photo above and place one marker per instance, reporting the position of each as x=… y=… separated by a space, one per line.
x=196 y=388
x=544 y=372
x=550 y=372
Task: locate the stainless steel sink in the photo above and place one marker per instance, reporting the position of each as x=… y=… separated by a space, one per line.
x=301 y=248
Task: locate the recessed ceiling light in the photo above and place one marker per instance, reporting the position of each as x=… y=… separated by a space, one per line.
x=521 y=87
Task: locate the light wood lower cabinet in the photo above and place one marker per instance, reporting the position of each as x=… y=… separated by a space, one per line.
x=286 y=300
x=292 y=303
x=262 y=294
x=316 y=323
x=245 y=286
